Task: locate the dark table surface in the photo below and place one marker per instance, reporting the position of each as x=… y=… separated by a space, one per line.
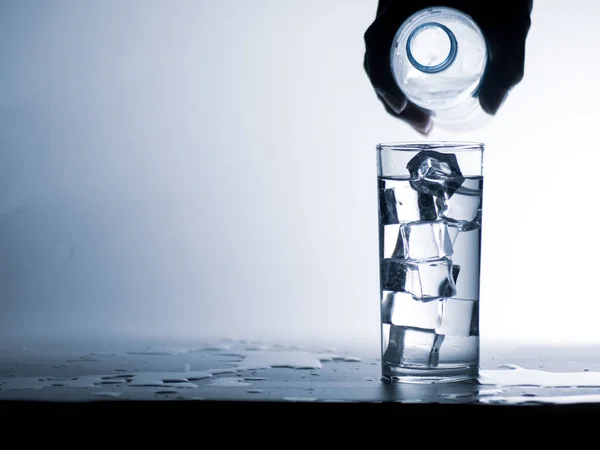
x=226 y=370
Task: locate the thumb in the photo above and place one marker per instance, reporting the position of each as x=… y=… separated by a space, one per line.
x=506 y=63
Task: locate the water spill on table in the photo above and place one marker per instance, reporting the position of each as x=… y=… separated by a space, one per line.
x=244 y=370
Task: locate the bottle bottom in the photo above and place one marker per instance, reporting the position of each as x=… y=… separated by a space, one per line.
x=466 y=116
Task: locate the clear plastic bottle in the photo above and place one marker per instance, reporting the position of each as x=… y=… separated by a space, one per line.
x=438 y=59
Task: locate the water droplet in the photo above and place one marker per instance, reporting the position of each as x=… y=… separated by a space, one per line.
x=458 y=395
x=85 y=381
x=107 y=394
x=23 y=383
x=228 y=382
x=509 y=366
x=168 y=378
x=115 y=381
x=220 y=371
x=352 y=359
x=257 y=347
x=484 y=392
x=279 y=359
x=518 y=376
x=565 y=399
x=165 y=392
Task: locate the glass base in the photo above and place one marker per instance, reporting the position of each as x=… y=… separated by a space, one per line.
x=453 y=374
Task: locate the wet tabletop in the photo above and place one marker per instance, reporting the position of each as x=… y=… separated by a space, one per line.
x=234 y=370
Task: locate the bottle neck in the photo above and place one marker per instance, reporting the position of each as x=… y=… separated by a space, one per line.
x=431 y=47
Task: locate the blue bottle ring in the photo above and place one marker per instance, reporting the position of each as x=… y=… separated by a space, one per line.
x=444 y=64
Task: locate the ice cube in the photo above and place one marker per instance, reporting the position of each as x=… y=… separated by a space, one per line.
x=393 y=274
x=426 y=281
x=402 y=203
x=408 y=312
x=420 y=241
x=448 y=289
x=460 y=350
x=474 y=330
x=456 y=317
x=412 y=347
x=387 y=207
x=435 y=173
x=434 y=280
x=453 y=233
x=428 y=209
x=387 y=306
x=388 y=239
x=463 y=210
x=464 y=225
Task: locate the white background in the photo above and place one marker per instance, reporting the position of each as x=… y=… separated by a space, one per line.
x=207 y=168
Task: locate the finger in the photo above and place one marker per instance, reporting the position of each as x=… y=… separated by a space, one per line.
x=383 y=5
x=506 y=53
x=378 y=41
x=377 y=68
x=396 y=103
x=419 y=118
x=492 y=98
x=505 y=69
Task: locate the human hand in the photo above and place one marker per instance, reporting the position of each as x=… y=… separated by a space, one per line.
x=504 y=25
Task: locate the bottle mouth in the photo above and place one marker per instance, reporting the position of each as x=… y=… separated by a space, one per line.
x=431 y=47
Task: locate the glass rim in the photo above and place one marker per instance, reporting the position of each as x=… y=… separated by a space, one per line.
x=441 y=146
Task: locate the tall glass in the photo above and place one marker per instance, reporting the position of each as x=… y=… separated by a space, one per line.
x=430 y=204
